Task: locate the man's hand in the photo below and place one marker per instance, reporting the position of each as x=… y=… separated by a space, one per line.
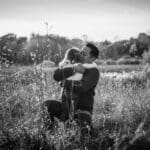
x=79 y=68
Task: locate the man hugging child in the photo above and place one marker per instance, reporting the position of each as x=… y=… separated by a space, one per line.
x=69 y=98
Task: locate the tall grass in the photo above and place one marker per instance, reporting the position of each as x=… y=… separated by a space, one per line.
x=120 y=118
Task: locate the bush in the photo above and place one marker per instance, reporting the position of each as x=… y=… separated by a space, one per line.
x=129 y=61
x=110 y=62
x=47 y=63
x=99 y=62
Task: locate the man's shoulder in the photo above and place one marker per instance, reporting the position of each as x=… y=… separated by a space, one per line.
x=94 y=71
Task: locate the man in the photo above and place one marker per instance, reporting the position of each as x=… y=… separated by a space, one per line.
x=84 y=106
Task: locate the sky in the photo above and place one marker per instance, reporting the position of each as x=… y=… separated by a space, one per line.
x=99 y=20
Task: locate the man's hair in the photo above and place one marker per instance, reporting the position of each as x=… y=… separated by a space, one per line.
x=94 y=50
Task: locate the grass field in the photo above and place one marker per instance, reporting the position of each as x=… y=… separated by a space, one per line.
x=120 y=68
x=121 y=115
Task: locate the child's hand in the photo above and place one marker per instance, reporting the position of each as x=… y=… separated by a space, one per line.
x=79 y=68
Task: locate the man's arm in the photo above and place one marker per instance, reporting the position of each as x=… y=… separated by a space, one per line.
x=62 y=74
x=89 y=80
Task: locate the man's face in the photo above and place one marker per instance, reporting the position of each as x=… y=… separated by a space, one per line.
x=85 y=54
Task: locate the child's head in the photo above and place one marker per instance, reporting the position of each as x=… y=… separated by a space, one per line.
x=71 y=56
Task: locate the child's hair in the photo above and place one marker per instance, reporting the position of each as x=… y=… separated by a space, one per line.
x=71 y=56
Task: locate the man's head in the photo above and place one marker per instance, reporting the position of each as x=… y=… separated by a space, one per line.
x=89 y=53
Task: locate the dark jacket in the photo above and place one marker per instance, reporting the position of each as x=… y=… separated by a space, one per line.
x=85 y=89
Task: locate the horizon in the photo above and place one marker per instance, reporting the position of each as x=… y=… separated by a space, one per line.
x=71 y=38
x=99 y=20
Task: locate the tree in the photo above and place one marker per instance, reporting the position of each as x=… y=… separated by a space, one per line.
x=8 y=47
x=142 y=43
x=133 y=49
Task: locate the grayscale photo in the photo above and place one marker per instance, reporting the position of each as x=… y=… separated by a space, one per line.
x=74 y=74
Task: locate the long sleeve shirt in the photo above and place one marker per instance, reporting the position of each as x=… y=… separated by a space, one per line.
x=85 y=89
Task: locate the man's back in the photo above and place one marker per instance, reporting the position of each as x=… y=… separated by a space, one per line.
x=86 y=89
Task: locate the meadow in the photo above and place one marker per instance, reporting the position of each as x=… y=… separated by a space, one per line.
x=121 y=114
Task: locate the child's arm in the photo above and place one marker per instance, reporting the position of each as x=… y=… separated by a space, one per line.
x=90 y=79
x=62 y=74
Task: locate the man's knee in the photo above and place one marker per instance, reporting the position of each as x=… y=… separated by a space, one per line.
x=53 y=108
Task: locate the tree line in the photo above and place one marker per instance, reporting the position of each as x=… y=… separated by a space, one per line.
x=24 y=51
